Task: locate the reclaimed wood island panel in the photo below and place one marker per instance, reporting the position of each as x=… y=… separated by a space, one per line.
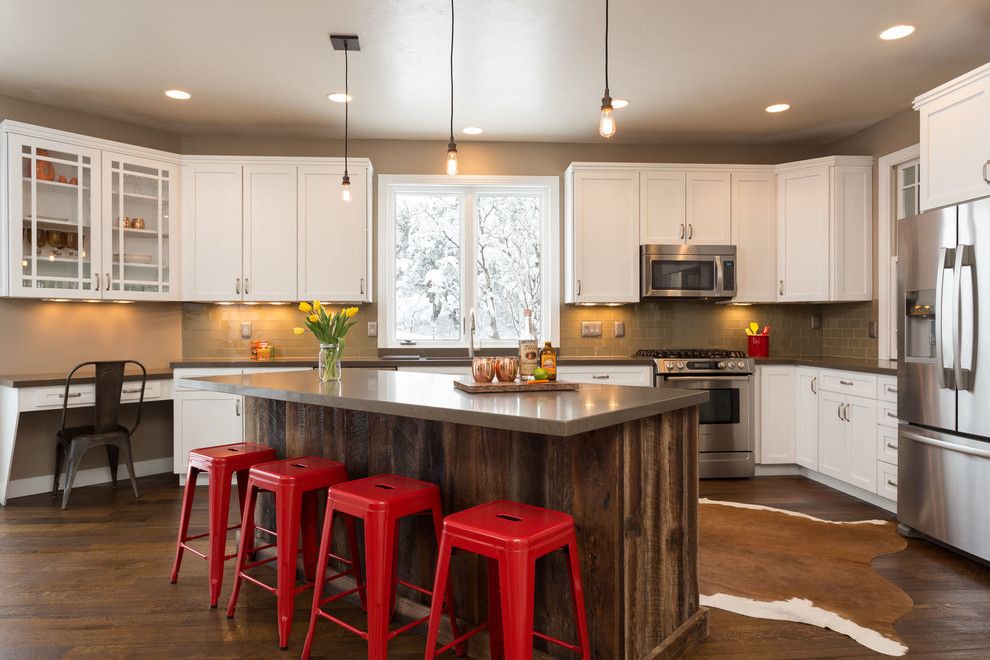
x=622 y=460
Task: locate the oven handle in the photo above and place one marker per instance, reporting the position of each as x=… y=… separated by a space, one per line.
x=673 y=378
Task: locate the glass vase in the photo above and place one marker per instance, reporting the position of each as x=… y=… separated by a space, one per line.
x=329 y=365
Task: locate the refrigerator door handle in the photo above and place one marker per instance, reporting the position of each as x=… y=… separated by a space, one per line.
x=941 y=444
x=964 y=259
x=945 y=262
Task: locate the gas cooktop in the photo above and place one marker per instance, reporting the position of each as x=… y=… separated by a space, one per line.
x=699 y=361
x=689 y=353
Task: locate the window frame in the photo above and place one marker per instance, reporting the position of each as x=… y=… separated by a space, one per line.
x=467 y=186
x=888 y=203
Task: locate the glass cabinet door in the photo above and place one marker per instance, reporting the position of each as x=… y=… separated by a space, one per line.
x=137 y=244
x=54 y=200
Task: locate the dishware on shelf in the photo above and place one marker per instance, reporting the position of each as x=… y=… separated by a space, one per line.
x=506 y=369
x=72 y=240
x=483 y=369
x=74 y=181
x=44 y=170
x=133 y=258
x=56 y=239
x=128 y=223
x=62 y=179
x=137 y=223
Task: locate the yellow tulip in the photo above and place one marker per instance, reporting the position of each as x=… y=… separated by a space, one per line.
x=351 y=311
x=305 y=307
x=316 y=305
x=313 y=318
x=299 y=331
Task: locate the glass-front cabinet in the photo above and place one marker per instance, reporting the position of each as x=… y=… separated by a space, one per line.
x=138 y=260
x=54 y=211
x=88 y=224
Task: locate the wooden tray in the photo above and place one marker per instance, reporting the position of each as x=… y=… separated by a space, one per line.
x=467 y=384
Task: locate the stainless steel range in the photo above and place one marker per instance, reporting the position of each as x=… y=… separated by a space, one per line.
x=726 y=433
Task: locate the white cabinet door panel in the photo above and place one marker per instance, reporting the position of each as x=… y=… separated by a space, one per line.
x=754 y=235
x=832 y=436
x=709 y=208
x=852 y=234
x=862 y=429
x=663 y=213
x=777 y=422
x=269 y=232
x=211 y=230
x=204 y=419
x=803 y=235
x=806 y=424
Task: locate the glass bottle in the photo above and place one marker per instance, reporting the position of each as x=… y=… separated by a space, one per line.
x=529 y=348
x=548 y=360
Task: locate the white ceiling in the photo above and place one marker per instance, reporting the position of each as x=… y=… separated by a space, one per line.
x=695 y=70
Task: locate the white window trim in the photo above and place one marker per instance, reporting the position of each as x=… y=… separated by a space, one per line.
x=391 y=183
x=886 y=211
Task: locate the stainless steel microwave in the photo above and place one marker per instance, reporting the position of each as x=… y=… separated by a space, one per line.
x=688 y=271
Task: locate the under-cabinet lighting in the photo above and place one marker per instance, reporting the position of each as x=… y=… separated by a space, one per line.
x=339 y=97
x=618 y=104
x=778 y=107
x=123 y=302
x=55 y=299
x=94 y=300
x=896 y=32
x=178 y=94
x=473 y=130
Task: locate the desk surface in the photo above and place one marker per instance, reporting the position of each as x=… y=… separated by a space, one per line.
x=83 y=377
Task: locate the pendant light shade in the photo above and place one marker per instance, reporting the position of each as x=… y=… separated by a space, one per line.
x=451 y=145
x=606 y=123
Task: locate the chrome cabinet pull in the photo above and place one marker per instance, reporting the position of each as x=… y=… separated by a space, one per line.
x=237 y=407
x=690 y=231
x=891 y=415
x=814 y=385
x=362 y=286
x=682 y=231
x=108 y=281
x=892 y=484
x=845 y=382
x=237 y=285
x=892 y=390
x=780 y=288
x=986 y=166
x=600 y=376
x=838 y=411
x=130 y=391
x=246 y=286
x=579 y=287
x=890 y=446
x=97 y=276
x=71 y=396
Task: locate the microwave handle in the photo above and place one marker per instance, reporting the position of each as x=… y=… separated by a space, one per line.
x=719 y=275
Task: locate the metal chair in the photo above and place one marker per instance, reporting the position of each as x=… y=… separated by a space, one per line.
x=75 y=441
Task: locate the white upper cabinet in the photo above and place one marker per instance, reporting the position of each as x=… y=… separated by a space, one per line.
x=662 y=207
x=327 y=223
x=955 y=140
x=825 y=230
x=269 y=232
x=601 y=256
x=754 y=234
x=709 y=207
x=212 y=226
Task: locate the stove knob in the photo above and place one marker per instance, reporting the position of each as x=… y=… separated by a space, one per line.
x=741 y=364
x=721 y=365
x=680 y=365
x=730 y=365
x=669 y=365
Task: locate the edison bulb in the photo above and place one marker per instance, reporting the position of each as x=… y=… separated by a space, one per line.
x=606 y=125
x=452 y=159
x=345 y=190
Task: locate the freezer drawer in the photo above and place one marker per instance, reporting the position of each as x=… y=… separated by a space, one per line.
x=942 y=488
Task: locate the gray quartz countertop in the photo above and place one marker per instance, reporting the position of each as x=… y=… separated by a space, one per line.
x=883 y=367
x=46 y=379
x=433 y=397
x=392 y=362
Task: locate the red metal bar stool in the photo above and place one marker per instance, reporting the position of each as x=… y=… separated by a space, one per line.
x=380 y=502
x=295 y=482
x=513 y=536
x=221 y=463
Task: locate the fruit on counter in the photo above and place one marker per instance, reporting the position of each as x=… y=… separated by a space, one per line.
x=540 y=374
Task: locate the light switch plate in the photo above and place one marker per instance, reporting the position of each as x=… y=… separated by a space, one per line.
x=874 y=329
x=816 y=321
x=591 y=328
x=620 y=329
x=245 y=329
x=372 y=328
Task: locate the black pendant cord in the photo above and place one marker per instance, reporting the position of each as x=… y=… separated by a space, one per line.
x=606 y=47
x=452 y=71
x=347 y=103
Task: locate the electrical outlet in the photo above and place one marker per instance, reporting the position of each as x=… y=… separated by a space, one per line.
x=591 y=328
x=245 y=329
x=620 y=329
x=816 y=321
x=874 y=329
x=372 y=328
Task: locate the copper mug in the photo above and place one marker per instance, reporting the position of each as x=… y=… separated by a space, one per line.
x=483 y=369
x=506 y=369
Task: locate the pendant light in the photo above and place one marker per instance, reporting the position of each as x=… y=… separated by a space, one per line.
x=346 y=43
x=606 y=124
x=451 y=146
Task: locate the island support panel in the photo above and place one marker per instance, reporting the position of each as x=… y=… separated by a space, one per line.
x=632 y=489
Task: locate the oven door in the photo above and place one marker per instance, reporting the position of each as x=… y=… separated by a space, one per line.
x=724 y=420
x=687 y=276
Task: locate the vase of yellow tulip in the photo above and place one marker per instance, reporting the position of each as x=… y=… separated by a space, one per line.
x=329 y=330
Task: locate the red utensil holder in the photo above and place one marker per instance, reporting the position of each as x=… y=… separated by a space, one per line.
x=759 y=346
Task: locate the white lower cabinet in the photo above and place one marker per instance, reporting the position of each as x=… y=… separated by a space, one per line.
x=806 y=423
x=861 y=415
x=831 y=435
x=777 y=415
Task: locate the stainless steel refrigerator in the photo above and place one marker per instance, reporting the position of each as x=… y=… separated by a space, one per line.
x=943 y=376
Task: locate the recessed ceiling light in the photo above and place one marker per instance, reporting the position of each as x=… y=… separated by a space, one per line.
x=778 y=107
x=896 y=32
x=473 y=130
x=178 y=94
x=339 y=97
x=620 y=103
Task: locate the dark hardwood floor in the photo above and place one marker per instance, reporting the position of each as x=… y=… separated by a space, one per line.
x=93 y=582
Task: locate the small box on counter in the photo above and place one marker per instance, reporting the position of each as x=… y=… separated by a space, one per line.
x=262 y=350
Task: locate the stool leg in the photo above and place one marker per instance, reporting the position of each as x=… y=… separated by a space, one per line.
x=379 y=548
x=516 y=585
x=187 y=502
x=59 y=457
x=310 y=533
x=321 y=574
x=219 y=508
x=496 y=649
x=113 y=459
x=356 y=560
x=242 y=480
x=449 y=593
x=577 y=593
x=439 y=587
x=245 y=546
x=287 y=517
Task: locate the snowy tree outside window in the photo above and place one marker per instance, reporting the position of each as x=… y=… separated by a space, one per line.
x=452 y=248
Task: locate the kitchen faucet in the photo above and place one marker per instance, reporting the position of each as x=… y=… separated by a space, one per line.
x=472 y=329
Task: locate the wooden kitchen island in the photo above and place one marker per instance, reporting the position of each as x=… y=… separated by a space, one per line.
x=622 y=460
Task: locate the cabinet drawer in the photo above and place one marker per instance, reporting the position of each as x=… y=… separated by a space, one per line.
x=131 y=391
x=612 y=375
x=52 y=397
x=887 y=481
x=887 y=414
x=887 y=389
x=887 y=444
x=855 y=384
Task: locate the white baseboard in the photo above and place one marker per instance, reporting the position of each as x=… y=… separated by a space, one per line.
x=88 y=477
x=849 y=489
x=777 y=470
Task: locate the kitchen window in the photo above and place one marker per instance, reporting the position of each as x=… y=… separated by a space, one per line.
x=452 y=244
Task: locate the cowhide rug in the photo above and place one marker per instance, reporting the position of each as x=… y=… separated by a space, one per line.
x=774 y=564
